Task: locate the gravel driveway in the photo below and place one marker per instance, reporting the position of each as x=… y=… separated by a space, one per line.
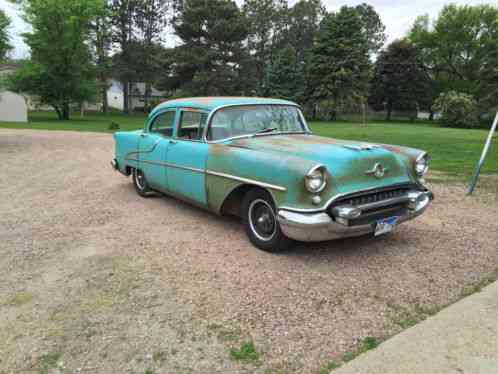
x=100 y=280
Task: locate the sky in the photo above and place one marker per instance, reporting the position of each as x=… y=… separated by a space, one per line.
x=397 y=16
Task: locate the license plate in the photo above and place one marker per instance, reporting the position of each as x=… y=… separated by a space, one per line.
x=385 y=225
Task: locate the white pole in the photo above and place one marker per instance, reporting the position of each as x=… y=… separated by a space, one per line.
x=473 y=181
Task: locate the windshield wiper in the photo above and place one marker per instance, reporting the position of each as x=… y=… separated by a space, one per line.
x=264 y=131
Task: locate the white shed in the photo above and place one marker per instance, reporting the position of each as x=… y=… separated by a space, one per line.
x=13 y=107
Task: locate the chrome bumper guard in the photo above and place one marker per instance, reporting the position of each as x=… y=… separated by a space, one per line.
x=314 y=227
x=114 y=164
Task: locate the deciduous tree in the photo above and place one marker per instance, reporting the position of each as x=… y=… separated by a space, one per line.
x=5 y=46
x=399 y=80
x=60 y=71
x=457 y=46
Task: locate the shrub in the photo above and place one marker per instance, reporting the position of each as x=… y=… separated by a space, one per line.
x=457 y=109
x=113 y=126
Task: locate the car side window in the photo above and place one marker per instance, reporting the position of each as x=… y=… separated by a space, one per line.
x=164 y=123
x=192 y=125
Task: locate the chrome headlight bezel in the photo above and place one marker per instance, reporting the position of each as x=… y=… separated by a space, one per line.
x=421 y=165
x=315 y=179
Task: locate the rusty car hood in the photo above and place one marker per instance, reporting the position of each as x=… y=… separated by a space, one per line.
x=348 y=162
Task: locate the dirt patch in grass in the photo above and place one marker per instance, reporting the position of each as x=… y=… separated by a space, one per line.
x=112 y=282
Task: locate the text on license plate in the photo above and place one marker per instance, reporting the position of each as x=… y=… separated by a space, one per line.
x=385 y=225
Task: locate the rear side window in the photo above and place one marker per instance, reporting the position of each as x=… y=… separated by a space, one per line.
x=192 y=125
x=164 y=123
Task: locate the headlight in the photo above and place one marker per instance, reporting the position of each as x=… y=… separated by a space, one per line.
x=422 y=165
x=315 y=180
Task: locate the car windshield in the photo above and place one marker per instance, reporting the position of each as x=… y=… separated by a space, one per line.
x=255 y=119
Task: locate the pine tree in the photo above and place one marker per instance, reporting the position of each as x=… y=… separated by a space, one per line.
x=340 y=66
x=211 y=56
x=286 y=77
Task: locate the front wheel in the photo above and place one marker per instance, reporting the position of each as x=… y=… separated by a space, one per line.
x=261 y=224
x=140 y=183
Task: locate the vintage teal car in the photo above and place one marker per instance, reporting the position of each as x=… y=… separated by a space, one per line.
x=257 y=158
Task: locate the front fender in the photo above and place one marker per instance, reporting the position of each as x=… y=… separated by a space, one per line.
x=229 y=167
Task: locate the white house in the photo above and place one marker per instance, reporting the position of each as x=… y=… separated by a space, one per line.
x=136 y=97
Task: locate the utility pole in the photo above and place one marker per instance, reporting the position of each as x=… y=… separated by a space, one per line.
x=473 y=181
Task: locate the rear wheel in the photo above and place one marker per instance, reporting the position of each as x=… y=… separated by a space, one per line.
x=140 y=183
x=260 y=221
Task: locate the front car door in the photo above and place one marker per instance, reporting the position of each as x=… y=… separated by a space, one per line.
x=153 y=148
x=186 y=157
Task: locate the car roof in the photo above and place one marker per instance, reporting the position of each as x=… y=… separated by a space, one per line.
x=212 y=102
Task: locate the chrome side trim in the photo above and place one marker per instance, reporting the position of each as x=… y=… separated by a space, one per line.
x=210 y=172
x=339 y=196
x=246 y=180
x=168 y=165
x=126 y=156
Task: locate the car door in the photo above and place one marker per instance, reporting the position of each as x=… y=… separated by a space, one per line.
x=186 y=157
x=153 y=148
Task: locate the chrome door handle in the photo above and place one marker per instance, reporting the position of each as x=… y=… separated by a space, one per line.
x=173 y=142
x=143 y=135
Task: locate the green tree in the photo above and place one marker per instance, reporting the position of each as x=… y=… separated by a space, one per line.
x=302 y=27
x=340 y=65
x=150 y=20
x=210 y=59
x=399 y=80
x=456 y=47
x=101 y=37
x=60 y=71
x=372 y=27
x=124 y=63
x=303 y=24
x=5 y=46
x=266 y=20
x=286 y=78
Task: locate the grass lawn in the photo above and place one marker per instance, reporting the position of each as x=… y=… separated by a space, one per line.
x=453 y=151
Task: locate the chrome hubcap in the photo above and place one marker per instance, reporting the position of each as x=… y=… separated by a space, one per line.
x=140 y=179
x=262 y=219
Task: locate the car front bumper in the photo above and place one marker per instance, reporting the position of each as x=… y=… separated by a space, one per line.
x=320 y=226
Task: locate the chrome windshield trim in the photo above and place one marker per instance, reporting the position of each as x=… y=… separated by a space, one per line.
x=215 y=110
x=246 y=180
x=258 y=135
x=339 y=196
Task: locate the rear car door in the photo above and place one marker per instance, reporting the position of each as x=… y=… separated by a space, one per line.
x=186 y=157
x=153 y=148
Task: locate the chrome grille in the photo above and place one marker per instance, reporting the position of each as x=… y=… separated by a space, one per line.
x=377 y=211
x=373 y=197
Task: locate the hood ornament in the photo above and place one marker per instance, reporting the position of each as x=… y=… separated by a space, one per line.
x=362 y=147
x=378 y=170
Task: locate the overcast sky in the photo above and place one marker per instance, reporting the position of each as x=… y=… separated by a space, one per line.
x=397 y=15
